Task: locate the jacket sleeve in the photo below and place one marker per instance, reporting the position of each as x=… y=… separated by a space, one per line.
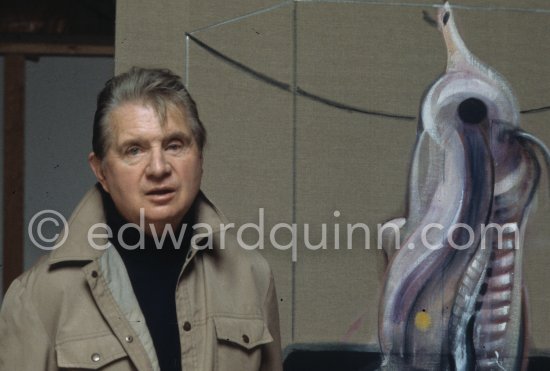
x=271 y=352
x=24 y=343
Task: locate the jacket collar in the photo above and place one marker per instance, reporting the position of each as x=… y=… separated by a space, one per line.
x=89 y=215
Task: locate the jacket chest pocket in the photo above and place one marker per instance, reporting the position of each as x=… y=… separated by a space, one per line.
x=95 y=352
x=239 y=343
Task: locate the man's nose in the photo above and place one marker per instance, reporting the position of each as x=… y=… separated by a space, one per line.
x=158 y=165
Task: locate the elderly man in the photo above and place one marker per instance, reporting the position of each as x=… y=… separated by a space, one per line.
x=148 y=278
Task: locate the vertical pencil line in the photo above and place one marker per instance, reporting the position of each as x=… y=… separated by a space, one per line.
x=294 y=151
x=187 y=61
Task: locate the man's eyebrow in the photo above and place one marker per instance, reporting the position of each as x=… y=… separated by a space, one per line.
x=132 y=142
x=183 y=137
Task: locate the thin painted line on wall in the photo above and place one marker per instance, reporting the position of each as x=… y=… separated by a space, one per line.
x=294 y=153
x=536 y=110
x=258 y=75
x=242 y=17
x=350 y=108
x=500 y=9
x=296 y=90
x=430 y=5
x=314 y=97
x=187 y=61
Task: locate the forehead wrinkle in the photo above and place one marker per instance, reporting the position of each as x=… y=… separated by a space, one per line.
x=119 y=119
x=164 y=107
x=143 y=129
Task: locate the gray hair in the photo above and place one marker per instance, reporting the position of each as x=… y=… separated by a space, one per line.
x=155 y=87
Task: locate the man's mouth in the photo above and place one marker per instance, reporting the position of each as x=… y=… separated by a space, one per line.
x=159 y=191
x=160 y=194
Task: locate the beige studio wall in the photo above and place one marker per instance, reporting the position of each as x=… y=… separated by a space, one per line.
x=311 y=109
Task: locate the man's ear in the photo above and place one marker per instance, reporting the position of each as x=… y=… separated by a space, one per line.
x=95 y=164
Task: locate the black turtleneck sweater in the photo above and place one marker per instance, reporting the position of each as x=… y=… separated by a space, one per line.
x=154 y=271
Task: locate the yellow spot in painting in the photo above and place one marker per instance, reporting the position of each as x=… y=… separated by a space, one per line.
x=422 y=321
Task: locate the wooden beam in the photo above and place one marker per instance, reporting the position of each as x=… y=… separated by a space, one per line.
x=68 y=49
x=14 y=165
x=14 y=138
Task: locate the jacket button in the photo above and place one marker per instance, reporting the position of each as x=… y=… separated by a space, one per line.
x=246 y=339
x=94 y=274
x=187 y=326
x=129 y=338
x=96 y=357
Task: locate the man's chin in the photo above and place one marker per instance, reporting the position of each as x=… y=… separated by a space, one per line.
x=159 y=225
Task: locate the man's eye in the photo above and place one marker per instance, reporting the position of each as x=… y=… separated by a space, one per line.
x=175 y=147
x=133 y=151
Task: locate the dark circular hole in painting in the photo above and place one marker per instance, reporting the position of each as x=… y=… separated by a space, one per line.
x=472 y=111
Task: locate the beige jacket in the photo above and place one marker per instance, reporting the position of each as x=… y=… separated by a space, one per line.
x=75 y=308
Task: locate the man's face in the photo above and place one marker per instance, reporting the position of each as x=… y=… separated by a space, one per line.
x=151 y=166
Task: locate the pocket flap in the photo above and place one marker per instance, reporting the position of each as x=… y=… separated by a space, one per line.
x=247 y=333
x=92 y=352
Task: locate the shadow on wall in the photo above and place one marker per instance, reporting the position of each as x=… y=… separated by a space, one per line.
x=353 y=357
